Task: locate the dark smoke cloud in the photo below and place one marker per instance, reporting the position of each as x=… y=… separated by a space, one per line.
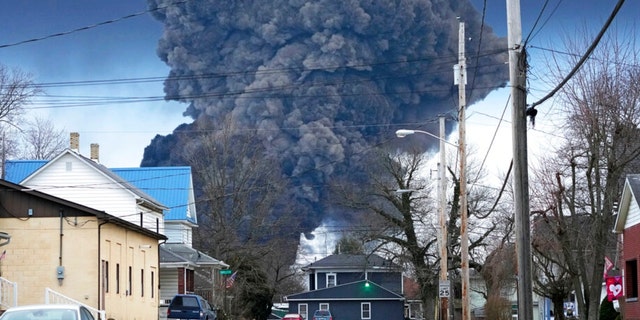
x=324 y=80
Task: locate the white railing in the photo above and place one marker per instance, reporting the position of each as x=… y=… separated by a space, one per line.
x=8 y=293
x=53 y=297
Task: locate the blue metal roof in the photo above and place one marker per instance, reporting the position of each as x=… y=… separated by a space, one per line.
x=17 y=170
x=169 y=185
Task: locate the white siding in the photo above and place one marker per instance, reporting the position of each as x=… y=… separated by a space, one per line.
x=633 y=216
x=169 y=281
x=70 y=179
x=178 y=233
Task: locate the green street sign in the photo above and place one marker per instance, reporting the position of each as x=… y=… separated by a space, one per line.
x=225 y=271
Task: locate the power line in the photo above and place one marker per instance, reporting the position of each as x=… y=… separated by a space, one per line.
x=88 y=27
x=584 y=58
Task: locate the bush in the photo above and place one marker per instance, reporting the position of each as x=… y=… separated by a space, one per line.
x=607 y=311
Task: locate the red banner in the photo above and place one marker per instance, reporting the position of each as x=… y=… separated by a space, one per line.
x=614 y=288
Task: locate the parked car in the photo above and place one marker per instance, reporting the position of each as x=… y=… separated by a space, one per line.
x=293 y=316
x=322 y=315
x=48 y=312
x=190 y=306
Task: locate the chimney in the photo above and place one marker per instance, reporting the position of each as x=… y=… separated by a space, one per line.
x=75 y=142
x=95 y=152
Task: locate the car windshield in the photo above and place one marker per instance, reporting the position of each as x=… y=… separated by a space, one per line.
x=40 y=314
x=322 y=313
x=185 y=302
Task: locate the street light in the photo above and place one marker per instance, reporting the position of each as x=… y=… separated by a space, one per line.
x=444 y=287
x=405 y=132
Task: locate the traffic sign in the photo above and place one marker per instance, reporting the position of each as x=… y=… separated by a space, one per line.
x=445 y=290
x=226 y=271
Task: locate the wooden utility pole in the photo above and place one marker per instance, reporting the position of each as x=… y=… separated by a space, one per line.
x=464 y=236
x=517 y=78
x=445 y=287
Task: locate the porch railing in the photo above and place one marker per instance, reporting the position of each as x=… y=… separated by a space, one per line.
x=8 y=293
x=53 y=297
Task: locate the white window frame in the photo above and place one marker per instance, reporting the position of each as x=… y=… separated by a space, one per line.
x=335 y=279
x=362 y=310
x=303 y=310
x=324 y=306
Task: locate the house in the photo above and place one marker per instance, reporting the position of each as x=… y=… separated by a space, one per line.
x=352 y=287
x=62 y=251
x=183 y=269
x=170 y=188
x=627 y=226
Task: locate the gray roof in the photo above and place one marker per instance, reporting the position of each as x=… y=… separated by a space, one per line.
x=352 y=261
x=185 y=255
x=350 y=291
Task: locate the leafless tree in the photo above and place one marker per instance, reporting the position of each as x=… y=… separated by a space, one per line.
x=16 y=89
x=398 y=210
x=602 y=107
x=41 y=140
x=243 y=218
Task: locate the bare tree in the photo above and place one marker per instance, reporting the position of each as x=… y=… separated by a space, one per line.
x=403 y=224
x=602 y=107
x=243 y=218
x=41 y=140
x=16 y=89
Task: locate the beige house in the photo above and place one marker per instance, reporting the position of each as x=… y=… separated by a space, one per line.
x=126 y=270
x=61 y=251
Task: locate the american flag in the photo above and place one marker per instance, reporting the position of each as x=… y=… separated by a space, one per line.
x=231 y=280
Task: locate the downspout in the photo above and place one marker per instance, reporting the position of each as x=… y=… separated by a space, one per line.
x=60 y=268
x=60 y=244
x=100 y=306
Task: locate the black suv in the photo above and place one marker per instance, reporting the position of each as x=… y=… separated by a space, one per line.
x=190 y=306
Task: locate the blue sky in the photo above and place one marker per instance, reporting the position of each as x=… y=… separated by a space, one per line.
x=126 y=49
x=121 y=50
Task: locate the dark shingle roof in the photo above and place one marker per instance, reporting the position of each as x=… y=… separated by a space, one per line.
x=351 y=261
x=350 y=291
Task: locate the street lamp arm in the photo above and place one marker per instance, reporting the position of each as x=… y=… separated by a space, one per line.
x=405 y=132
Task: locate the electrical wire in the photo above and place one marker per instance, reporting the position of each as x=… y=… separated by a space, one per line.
x=584 y=58
x=88 y=27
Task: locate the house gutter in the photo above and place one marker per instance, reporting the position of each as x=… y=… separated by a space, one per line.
x=100 y=271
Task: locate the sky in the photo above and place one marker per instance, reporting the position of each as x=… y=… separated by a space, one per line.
x=126 y=49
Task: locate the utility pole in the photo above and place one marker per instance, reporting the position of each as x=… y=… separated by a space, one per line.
x=464 y=236
x=517 y=78
x=445 y=288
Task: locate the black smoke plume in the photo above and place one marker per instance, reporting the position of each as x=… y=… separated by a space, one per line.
x=321 y=81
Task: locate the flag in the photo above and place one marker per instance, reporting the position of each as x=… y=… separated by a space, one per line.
x=614 y=288
x=608 y=265
x=4 y=253
x=231 y=280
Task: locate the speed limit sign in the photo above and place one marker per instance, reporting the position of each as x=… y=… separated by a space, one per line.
x=444 y=291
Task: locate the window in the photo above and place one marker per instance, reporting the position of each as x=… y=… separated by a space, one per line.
x=153 y=281
x=130 y=286
x=142 y=282
x=324 y=306
x=631 y=279
x=303 y=310
x=117 y=278
x=331 y=280
x=365 y=310
x=105 y=275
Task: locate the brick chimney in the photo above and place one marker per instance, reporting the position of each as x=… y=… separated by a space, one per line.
x=95 y=152
x=74 y=142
